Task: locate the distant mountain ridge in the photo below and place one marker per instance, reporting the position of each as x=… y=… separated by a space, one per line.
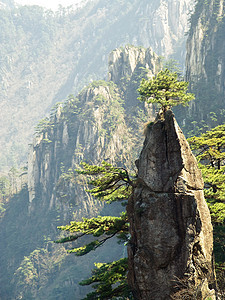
x=46 y=56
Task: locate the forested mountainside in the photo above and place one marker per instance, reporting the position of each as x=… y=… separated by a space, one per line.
x=104 y=122
x=205 y=63
x=45 y=56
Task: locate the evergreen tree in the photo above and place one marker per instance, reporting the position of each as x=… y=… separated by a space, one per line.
x=105 y=277
x=210 y=152
x=165 y=89
x=109 y=184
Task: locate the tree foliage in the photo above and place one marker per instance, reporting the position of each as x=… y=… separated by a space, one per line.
x=210 y=152
x=211 y=147
x=103 y=228
x=109 y=184
x=109 y=281
x=165 y=89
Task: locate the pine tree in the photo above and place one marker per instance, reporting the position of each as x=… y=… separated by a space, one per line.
x=165 y=89
x=109 y=184
x=210 y=152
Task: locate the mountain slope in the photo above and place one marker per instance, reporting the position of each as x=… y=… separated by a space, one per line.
x=205 y=62
x=46 y=56
x=104 y=122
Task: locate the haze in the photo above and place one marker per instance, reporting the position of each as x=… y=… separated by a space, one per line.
x=52 y=4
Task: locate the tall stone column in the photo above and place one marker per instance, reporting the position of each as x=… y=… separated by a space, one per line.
x=171 y=247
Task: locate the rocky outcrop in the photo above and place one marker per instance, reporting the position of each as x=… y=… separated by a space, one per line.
x=171 y=244
x=69 y=50
x=89 y=128
x=93 y=127
x=123 y=62
x=98 y=124
x=205 y=63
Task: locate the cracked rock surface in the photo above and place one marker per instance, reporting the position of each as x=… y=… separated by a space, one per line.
x=171 y=246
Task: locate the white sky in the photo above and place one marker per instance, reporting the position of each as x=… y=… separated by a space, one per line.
x=53 y=4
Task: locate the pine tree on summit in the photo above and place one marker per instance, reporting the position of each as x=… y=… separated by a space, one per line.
x=165 y=89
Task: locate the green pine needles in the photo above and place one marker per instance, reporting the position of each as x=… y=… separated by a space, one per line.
x=109 y=281
x=102 y=228
x=109 y=184
x=210 y=152
x=165 y=89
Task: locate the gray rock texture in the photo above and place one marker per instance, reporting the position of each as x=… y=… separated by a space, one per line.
x=205 y=61
x=99 y=131
x=47 y=64
x=123 y=62
x=171 y=244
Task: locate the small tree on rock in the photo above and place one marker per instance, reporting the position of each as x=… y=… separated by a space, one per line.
x=165 y=89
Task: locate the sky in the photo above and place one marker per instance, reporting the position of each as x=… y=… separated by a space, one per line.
x=53 y=4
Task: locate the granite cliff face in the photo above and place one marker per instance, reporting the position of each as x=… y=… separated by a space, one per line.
x=171 y=246
x=205 y=63
x=167 y=21
x=99 y=124
x=123 y=62
x=206 y=24
x=96 y=125
x=92 y=129
x=70 y=48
